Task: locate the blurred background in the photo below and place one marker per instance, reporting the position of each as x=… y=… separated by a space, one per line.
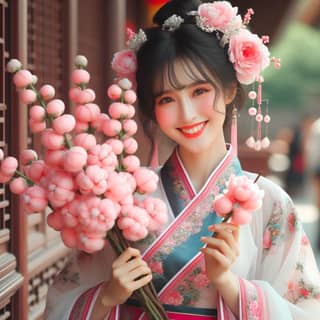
x=46 y=36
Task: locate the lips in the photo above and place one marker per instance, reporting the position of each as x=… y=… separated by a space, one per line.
x=194 y=130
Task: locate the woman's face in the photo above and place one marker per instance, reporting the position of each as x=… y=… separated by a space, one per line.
x=192 y=115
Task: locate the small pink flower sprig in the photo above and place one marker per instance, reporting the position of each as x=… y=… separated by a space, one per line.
x=241 y=197
x=89 y=174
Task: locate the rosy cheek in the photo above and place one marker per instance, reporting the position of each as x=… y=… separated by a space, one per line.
x=165 y=116
x=207 y=103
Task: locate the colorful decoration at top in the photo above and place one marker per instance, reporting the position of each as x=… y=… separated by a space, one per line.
x=152 y=7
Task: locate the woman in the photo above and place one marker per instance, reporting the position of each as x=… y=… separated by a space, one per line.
x=188 y=82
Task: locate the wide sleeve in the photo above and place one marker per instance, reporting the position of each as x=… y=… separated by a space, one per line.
x=285 y=283
x=73 y=293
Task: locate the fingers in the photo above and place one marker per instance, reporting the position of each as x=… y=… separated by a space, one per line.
x=225 y=241
x=141 y=282
x=137 y=273
x=234 y=229
x=222 y=246
x=128 y=254
x=223 y=260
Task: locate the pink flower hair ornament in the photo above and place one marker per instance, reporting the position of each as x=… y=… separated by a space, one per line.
x=247 y=52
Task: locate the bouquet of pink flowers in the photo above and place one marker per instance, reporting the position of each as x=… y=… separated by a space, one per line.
x=89 y=175
x=241 y=197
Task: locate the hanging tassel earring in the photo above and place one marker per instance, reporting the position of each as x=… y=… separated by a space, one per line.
x=234 y=131
x=255 y=141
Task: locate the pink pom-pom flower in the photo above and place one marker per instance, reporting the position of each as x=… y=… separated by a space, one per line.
x=80 y=76
x=37 y=126
x=75 y=159
x=85 y=140
x=103 y=156
x=240 y=198
x=60 y=187
x=54 y=158
x=157 y=211
x=111 y=127
x=55 y=107
x=36 y=170
x=146 y=180
x=118 y=187
x=28 y=96
x=130 y=96
x=87 y=113
x=34 y=199
x=9 y=165
x=133 y=221
x=130 y=145
x=97 y=215
x=64 y=124
x=54 y=220
x=116 y=145
x=74 y=94
x=130 y=127
x=22 y=78
x=27 y=156
x=86 y=96
x=93 y=179
x=37 y=113
x=131 y=163
x=52 y=140
x=114 y=92
x=4 y=178
x=18 y=185
x=47 y=92
x=118 y=110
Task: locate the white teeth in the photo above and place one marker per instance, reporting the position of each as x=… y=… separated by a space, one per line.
x=194 y=129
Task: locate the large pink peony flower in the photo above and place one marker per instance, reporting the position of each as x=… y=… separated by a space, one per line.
x=249 y=55
x=217 y=15
x=124 y=62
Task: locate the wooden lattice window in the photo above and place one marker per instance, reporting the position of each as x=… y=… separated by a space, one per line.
x=10 y=280
x=46 y=54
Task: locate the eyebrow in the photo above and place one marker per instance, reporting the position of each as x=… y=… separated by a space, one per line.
x=159 y=94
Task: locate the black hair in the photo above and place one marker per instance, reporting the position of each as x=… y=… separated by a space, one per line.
x=189 y=44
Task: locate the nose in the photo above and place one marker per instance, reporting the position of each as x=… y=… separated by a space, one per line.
x=187 y=108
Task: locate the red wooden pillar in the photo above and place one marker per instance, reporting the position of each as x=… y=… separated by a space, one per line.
x=18 y=140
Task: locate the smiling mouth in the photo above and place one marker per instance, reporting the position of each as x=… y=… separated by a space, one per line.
x=194 y=130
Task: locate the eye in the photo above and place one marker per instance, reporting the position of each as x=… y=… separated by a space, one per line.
x=164 y=100
x=199 y=91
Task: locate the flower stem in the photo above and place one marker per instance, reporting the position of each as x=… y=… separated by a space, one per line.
x=28 y=180
x=67 y=142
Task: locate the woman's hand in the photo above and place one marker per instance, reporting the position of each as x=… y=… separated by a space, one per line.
x=221 y=252
x=129 y=273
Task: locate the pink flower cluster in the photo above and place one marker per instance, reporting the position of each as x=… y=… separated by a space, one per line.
x=89 y=175
x=241 y=197
x=247 y=51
